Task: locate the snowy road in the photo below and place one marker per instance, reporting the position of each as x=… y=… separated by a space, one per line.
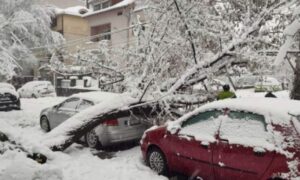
x=76 y=163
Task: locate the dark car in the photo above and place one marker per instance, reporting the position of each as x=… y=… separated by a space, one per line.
x=9 y=98
x=230 y=139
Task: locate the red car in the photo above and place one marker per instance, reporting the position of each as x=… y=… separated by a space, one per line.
x=229 y=139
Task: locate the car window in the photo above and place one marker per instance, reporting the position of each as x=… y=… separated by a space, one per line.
x=244 y=127
x=203 y=126
x=69 y=104
x=201 y=117
x=84 y=104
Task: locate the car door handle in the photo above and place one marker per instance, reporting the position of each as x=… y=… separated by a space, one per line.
x=225 y=141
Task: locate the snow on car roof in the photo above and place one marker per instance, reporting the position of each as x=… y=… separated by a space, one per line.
x=97 y=96
x=35 y=83
x=6 y=85
x=8 y=88
x=275 y=110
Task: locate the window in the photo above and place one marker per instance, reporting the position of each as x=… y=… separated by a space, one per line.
x=97 y=7
x=101 y=32
x=69 y=104
x=101 y=5
x=105 y=4
x=201 y=117
x=203 y=126
x=244 y=127
x=85 y=104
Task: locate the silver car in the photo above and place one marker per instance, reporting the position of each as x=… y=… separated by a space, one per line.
x=112 y=131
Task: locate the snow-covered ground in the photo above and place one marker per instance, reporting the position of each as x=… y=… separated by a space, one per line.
x=76 y=163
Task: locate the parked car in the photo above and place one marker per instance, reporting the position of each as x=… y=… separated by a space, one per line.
x=112 y=131
x=230 y=139
x=267 y=84
x=9 y=98
x=36 y=89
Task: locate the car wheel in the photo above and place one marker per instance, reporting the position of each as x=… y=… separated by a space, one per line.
x=92 y=140
x=18 y=104
x=156 y=161
x=44 y=123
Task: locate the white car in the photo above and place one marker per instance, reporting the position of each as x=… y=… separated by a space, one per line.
x=36 y=89
x=267 y=84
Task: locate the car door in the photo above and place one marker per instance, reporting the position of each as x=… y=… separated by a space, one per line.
x=193 y=145
x=65 y=110
x=241 y=149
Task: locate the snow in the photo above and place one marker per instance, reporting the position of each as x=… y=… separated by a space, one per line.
x=75 y=11
x=97 y=96
x=290 y=31
x=203 y=131
x=77 y=163
x=6 y=85
x=7 y=88
x=121 y=4
x=32 y=84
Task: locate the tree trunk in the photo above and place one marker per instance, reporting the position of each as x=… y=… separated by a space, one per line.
x=295 y=94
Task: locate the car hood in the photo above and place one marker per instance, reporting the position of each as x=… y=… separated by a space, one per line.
x=10 y=91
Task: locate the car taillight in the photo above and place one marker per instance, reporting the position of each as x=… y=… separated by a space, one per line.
x=111 y=122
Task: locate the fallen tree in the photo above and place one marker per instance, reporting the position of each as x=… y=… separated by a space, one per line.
x=78 y=125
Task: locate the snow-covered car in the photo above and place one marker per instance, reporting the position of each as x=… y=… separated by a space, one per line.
x=267 y=84
x=36 y=89
x=230 y=139
x=245 y=81
x=125 y=128
x=9 y=98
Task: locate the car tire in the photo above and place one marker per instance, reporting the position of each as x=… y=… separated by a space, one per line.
x=44 y=123
x=156 y=160
x=92 y=140
x=18 y=104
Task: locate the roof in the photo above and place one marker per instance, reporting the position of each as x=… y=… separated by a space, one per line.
x=121 y=4
x=97 y=96
x=82 y=11
x=275 y=110
x=75 y=11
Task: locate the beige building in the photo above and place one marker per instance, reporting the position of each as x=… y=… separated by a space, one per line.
x=104 y=20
